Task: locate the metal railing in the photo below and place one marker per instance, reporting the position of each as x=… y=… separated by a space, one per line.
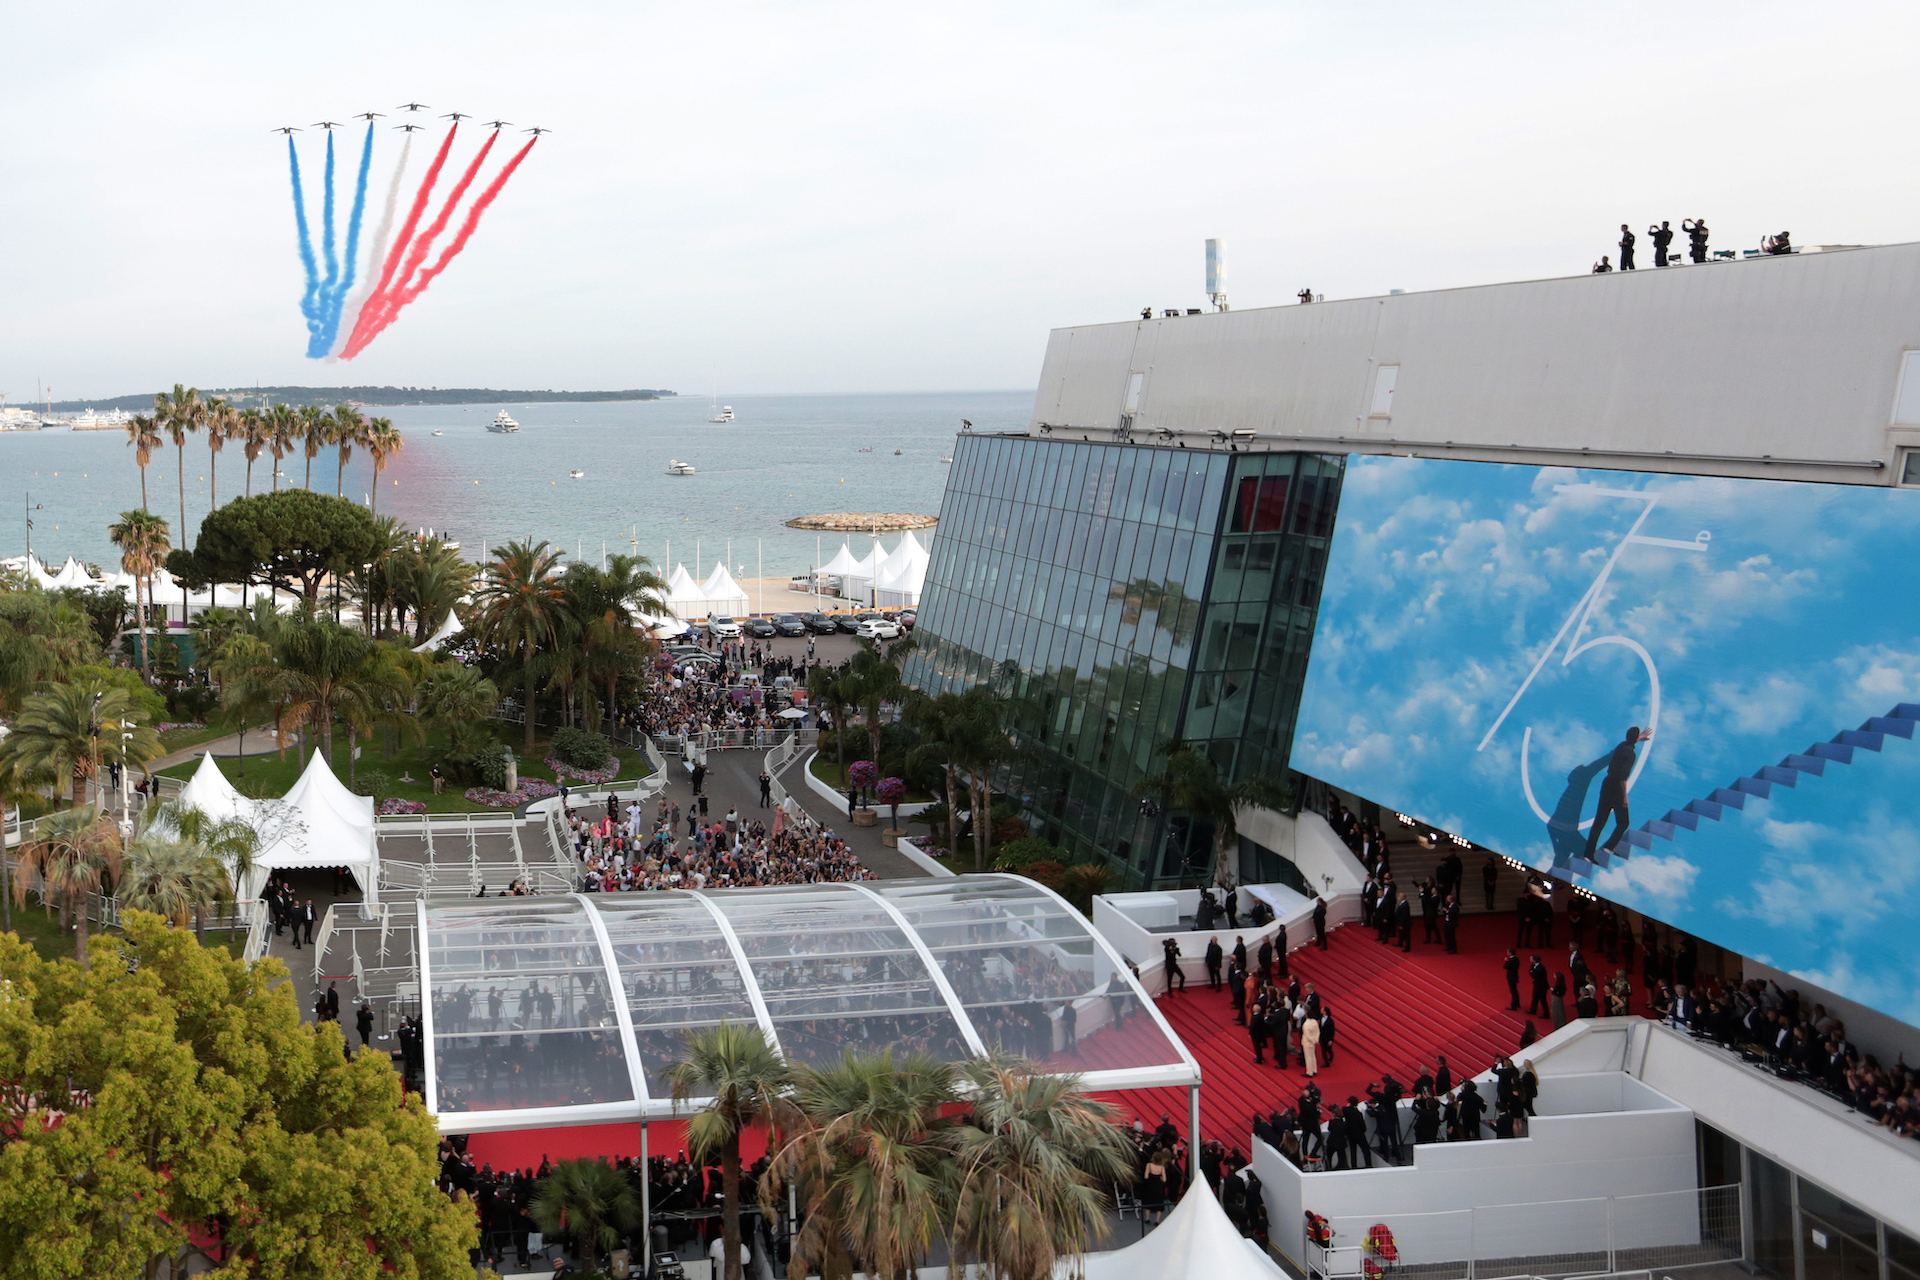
x=1662 y=1231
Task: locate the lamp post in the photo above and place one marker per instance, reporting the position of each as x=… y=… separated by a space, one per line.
x=32 y=507
x=93 y=733
x=126 y=801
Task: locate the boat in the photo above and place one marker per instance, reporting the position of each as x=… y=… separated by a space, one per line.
x=439 y=433
x=896 y=453
x=946 y=458
x=675 y=467
x=576 y=473
x=716 y=411
x=865 y=448
x=503 y=423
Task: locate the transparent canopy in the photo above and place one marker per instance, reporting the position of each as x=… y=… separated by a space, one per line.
x=570 y=1010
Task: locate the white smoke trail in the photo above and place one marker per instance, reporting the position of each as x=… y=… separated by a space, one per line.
x=371 y=276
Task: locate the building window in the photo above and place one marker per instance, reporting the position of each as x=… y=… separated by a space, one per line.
x=1910 y=468
x=1384 y=380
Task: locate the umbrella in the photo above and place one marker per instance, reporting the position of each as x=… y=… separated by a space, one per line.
x=793 y=713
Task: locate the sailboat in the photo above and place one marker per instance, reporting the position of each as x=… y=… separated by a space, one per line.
x=718 y=412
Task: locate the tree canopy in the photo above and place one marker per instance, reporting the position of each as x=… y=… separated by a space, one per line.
x=288 y=538
x=173 y=1094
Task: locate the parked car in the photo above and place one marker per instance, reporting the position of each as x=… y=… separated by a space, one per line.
x=760 y=628
x=906 y=619
x=683 y=650
x=848 y=623
x=878 y=627
x=819 y=623
x=789 y=624
x=724 y=627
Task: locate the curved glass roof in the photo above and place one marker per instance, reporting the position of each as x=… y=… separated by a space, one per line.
x=569 y=1010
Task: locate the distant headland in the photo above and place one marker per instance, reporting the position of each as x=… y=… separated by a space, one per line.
x=257 y=396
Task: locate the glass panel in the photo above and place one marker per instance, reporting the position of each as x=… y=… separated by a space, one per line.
x=520 y=1008
x=1030 y=975
x=676 y=972
x=836 y=971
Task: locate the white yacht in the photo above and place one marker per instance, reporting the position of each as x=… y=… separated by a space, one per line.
x=576 y=473
x=503 y=423
x=724 y=413
x=439 y=433
x=675 y=467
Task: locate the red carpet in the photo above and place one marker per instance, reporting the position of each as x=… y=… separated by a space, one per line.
x=523 y=1148
x=1393 y=1011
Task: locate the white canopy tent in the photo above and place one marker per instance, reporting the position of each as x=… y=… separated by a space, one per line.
x=857 y=582
x=319 y=823
x=1196 y=1242
x=724 y=595
x=842 y=564
x=900 y=579
x=73 y=574
x=684 y=595
x=447 y=630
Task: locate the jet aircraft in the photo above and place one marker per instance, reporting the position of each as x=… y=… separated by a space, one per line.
x=412 y=128
x=536 y=131
x=457 y=116
x=287 y=129
x=498 y=124
x=411 y=106
x=328 y=125
x=368 y=116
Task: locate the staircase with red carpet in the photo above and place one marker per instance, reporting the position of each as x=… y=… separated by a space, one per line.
x=1393 y=1011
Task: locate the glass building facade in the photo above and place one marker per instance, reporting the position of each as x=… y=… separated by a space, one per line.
x=1122 y=596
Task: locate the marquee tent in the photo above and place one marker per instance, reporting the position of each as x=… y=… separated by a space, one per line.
x=1197 y=1241
x=899 y=580
x=447 y=630
x=319 y=823
x=684 y=595
x=724 y=595
x=73 y=574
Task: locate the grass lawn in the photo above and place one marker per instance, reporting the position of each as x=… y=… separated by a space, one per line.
x=180 y=739
x=828 y=772
x=274 y=775
x=40 y=929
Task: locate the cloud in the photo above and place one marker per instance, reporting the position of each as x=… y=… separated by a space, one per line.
x=1665 y=879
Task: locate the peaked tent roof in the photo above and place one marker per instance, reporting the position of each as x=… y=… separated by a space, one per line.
x=842 y=562
x=722 y=591
x=869 y=565
x=446 y=631
x=209 y=791
x=73 y=574
x=1197 y=1241
x=681 y=586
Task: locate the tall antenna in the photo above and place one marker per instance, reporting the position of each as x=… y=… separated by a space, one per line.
x=1217 y=274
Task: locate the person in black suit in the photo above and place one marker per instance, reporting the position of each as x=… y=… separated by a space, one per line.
x=1320 y=923
x=1512 y=966
x=1280 y=951
x=1577 y=966
x=1450 y=924
x=364 y=1021
x=307 y=918
x=1356 y=1126
x=1538 y=1004
x=1233 y=907
x=1403 y=923
x=1626 y=248
x=1174 y=972
x=1259 y=1029
x=1442 y=1076
x=1240 y=953
x=1265 y=961
x=333 y=1002
x=1237 y=992
x=1613 y=792
x=1326 y=1033
x=1430 y=911
x=1662 y=236
x=1215 y=958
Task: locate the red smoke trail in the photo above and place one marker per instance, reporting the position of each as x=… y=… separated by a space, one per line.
x=467 y=227
x=417 y=252
x=370 y=308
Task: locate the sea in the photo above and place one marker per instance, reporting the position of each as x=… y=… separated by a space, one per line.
x=781 y=457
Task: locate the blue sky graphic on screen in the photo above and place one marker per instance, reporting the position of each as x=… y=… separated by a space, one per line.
x=1488 y=635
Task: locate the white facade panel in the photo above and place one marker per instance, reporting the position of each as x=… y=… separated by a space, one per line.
x=1726 y=365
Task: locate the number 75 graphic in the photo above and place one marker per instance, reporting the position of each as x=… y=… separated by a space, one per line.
x=1574 y=629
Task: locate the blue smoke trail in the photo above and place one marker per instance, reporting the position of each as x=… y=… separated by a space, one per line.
x=336 y=300
x=315 y=347
x=310 y=300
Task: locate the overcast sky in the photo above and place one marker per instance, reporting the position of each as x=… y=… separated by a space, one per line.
x=869 y=196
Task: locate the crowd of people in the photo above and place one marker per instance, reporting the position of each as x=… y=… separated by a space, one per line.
x=633 y=849
x=1320 y=1134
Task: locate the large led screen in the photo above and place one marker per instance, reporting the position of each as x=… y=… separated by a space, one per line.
x=1725 y=672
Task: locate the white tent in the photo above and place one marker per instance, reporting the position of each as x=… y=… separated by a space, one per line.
x=724 y=595
x=209 y=791
x=842 y=563
x=446 y=631
x=1197 y=1241
x=898 y=583
x=37 y=574
x=323 y=825
x=857 y=582
x=684 y=595
x=73 y=574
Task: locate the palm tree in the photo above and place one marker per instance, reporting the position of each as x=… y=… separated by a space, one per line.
x=317 y=669
x=457 y=699
x=283 y=428
x=222 y=842
x=877 y=680
x=605 y=604
x=837 y=693
x=349 y=432
x=317 y=430
x=180 y=412
x=967 y=733
x=941 y=725
x=69 y=731
x=144 y=541
x=743 y=1077
x=1030 y=1170
x=1190 y=784
x=171 y=878
x=220 y=424
x=383 y=442
x=589 y=1198
x=427 y=578
x=252 y=432
x=869 y=1150
x=143 y=434
x=73 y=853
x=521 y=607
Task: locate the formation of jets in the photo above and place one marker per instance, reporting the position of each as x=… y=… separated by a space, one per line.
x=371 y=116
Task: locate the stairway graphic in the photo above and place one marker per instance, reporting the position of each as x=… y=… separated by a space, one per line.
x=1813 y=762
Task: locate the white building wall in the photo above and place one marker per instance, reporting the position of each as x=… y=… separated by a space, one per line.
x=1788 y=358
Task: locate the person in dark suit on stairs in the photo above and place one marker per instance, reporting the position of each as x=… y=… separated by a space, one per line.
x=1320 y=923
x=1266 y=961
x=1403 y=923
x=1538 y=1006
x=1512 y=966
x=1442 y=1076
x=1326 y=1032
x=1430 y=912
x=1239 y=953
x=1259 y=1028
x=1450 y=924
x=1280 y=951
x=1215 y=957
x=1237 y=992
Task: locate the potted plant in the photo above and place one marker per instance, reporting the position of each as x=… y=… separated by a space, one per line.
x=890 y=792
x=861 y=776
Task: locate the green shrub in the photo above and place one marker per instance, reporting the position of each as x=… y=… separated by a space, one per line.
x=1021 y=854
x=581 y=749
x=491 y=764
x=934 y=815
x=375 y=783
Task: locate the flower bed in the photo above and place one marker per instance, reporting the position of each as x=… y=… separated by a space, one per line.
x=390 y=807
x=530 y=789
x=561 y=769
x=168 y=726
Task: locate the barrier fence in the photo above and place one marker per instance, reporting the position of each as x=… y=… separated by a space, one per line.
x=1660 y=1231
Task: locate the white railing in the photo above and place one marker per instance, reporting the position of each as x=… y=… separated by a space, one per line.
x=1612 y=1235
x=259 y=931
